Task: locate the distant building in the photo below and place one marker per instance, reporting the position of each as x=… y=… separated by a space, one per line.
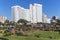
x=3 y=19
x=44 y=18
x=36 y=13
x=33 y=14
x=48 y=20
x=20 y=13
x=15 y=13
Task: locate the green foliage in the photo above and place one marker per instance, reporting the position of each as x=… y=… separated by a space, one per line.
x=38 y=36
x=3 y=38
x=19 y=33
x=6 y=33
x=7 y=21
x=22 y=21
x=1 y=23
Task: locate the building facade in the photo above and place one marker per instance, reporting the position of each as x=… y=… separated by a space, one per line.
x=20 y=13
x=44 y=18
x=48 y=20
x=36 y=13
x=15 y=13
x=3 y=19
x=33 y=14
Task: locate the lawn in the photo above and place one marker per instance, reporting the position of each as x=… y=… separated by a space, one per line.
x=38 y=35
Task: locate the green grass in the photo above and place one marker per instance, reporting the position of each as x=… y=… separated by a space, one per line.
x=39 y=35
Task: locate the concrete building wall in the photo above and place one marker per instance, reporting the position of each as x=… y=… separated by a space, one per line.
x=33 y=14
x=20 y=13
x=3 y=19
x=38 y=12
x=27 y=15
x=15 y=13
x=48 y=20
x=44 y=18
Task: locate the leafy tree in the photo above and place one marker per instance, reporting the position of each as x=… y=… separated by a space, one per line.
x=6 y=22
x=23 y=21
x=1 y=23
x=54 y=20
x=53 y=17
x=12 y=23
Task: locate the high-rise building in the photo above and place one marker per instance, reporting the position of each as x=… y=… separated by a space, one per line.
x=38 y=8
x=20 y=13
x=15 y=13
x=27 y=15
x=36 y=13
x=33 y=14
x=3 y=19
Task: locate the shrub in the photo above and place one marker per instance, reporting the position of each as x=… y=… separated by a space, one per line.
x=7 y=34
x=6 y=31
x=1 y=31
x=3 y=38
x=19 y=33
x=38 y=35
x=25 y=35
x=50 y=37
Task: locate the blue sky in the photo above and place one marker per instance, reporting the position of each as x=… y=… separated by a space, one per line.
x=50 y=7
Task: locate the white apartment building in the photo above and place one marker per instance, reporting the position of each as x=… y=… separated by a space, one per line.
x=44 y=18
x=27 y=15
x=3 y=19
x=15 y=13
x=36 y=13
x=20 y=13
x=33 y=14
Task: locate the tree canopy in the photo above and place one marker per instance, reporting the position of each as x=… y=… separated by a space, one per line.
x=22 y=21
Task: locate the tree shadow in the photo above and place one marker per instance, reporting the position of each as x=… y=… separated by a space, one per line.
x=3 y=38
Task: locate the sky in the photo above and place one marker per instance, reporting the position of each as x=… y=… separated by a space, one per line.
x=50 y=7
